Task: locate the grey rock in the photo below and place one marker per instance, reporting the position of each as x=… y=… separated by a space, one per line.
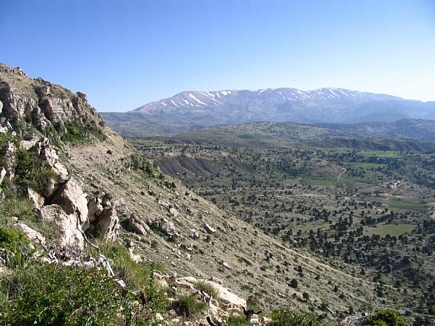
x=138 y=225
x=209 y=229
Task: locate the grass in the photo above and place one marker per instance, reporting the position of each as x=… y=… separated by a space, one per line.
x=320 y=182
x=393 y=230
x=366 y=165
x=410 y=205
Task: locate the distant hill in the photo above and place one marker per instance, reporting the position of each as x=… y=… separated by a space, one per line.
x=400 y=135
x=195 y=110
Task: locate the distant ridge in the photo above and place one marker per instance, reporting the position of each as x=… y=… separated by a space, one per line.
x=196 y=99
x=191 y=110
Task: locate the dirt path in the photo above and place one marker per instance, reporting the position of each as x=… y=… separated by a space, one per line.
x=339 y=176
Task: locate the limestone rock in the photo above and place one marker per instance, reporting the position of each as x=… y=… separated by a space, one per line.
x=169 y=228
x=173 y=212
x=10 y=160
x=33 y=235
x=95 y=208
x=66 y=226
x=226 y=265
x=2 y=175
x=73 y=200
x=194 y=233
x=120 y=205
x=137 y=225
x=107 y=225
x=48 y=152
x=209 y=229
x=36 y=198
x=165 y=226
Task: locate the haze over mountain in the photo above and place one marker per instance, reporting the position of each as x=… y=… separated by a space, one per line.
x=194 y=109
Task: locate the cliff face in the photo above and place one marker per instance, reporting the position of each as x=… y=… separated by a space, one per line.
x=35 y=115
x=49 y=108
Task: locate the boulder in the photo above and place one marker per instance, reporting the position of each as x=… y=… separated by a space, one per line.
x=37 y=199
x=194 y=233
x=2 y=175
x=106 y=225
x=168 y=228
x=226 y=265
x=33 y=235
x=354 y=321
x=95 y=208
x=209 y=229
x=165 y=226
x=66 y=226
x=173 y=212
x=137 y=225
x=48 y=152
x=73 y=200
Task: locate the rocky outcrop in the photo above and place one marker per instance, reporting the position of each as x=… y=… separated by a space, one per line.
x=48 y=107
x=37 y=199
x=48 y=153
x=73 y=200
x=66 y=229
x=95 y=208
x=72 y=212
x=107 y=225
x=33 y=235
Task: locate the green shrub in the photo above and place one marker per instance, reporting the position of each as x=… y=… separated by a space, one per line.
x=31 y=172
x=12 y=239
x=237 y=320
x=61 y=295
x=386 y=318
x=296 y=318
x=207 y=288
x=138 y=276
x=188 y=306
x=17 y=206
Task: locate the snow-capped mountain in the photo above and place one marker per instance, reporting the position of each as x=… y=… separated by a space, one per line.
x=194 y=109
x=196 y=101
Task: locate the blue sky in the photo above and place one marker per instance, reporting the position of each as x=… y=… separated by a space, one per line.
x=125 y=53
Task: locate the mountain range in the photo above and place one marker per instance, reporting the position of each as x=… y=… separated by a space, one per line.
x=194 y=109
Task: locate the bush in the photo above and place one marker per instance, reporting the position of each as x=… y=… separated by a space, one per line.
x=386 y=318
x=295 y=318
x=12 y=239
x=237 y=320
x=61 y=295
x=138 y=276
x=187 y=305
x=207 y=288
x=17 y=206
x=32 y=172
x=40 y=294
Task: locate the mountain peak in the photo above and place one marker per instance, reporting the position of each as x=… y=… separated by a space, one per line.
x=200 y=109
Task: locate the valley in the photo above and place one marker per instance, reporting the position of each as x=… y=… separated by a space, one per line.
x=368 y=203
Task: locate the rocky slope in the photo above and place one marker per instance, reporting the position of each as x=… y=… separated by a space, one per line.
x=193 y=110
x=87 y=180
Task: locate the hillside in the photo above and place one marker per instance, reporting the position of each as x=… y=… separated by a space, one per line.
x=78 y=190
x=195 y=110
